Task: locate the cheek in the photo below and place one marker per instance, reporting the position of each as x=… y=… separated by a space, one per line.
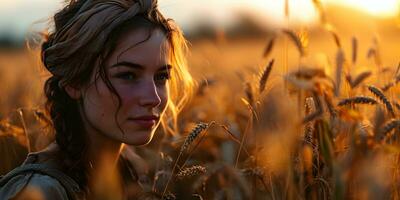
x=128 y=95
x=100 y=102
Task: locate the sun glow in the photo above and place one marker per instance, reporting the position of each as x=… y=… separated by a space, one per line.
x=379 y=8
x=305 y=12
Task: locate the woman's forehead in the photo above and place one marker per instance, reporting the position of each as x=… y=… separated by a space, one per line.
x=137 y=37
x=142 y=45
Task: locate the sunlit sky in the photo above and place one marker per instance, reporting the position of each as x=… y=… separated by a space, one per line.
x=16 y=16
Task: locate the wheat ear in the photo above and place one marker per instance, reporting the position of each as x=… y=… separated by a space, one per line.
x=357 y=100
x=190 y=172
x=264 y=76
x=378 y=93
x=389 y=127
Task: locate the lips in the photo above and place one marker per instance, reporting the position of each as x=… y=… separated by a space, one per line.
x=147 y=121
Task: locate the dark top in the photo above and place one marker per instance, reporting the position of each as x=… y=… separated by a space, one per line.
x=42 y=180
x=41 y=176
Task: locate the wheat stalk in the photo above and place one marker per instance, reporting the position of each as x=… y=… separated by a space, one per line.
x=339 y=68
x=354 y=47
x=241 y=146
x=249 y=93
x=397 y=105
x=321 y=12
x=21 y=116
x=373 y=51
x=388 y=86
x=336 y=38
x=331 y=109
x=191 y=171
x=264 y=76
x=318 y=109
x=389 y=127
x=378 y=93
x=287 y=11
x=269 y=47
x=360 y=78
x=233 y=137
x=391 y=83
x=309 y=127
x=296 y=40
x=357 y=100
x=200 y=127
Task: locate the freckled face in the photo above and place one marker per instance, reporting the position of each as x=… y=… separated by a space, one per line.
x=139 y=72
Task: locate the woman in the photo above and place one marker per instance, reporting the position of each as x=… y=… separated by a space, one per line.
x=118 y=71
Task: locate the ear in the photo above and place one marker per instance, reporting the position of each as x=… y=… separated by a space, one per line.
x=73 y=92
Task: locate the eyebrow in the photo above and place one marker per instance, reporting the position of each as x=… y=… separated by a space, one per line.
x=138 y=66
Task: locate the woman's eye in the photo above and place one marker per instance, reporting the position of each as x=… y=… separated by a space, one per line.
x=162 y=77
x=126 y=76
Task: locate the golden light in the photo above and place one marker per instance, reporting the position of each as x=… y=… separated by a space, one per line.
x=379 y=8
x=304 y=11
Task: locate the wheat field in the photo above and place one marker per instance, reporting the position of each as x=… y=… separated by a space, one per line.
x=300 y=113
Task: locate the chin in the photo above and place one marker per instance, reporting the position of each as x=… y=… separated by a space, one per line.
x=139 y=138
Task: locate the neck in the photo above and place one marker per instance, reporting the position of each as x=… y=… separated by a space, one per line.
x=103 y=154
x=102 y=150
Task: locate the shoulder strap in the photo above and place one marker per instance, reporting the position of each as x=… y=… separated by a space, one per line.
x=70 y=186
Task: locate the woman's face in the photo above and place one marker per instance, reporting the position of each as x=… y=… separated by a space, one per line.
x=139 y=72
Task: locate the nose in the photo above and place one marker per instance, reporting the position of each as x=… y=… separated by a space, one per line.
x=149 y=96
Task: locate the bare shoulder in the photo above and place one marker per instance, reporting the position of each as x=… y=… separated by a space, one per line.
x=34 y=186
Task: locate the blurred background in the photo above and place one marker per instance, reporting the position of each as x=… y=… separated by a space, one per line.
x=18 y=16
x=224 y=34
x=343 y=42
x=230 y=36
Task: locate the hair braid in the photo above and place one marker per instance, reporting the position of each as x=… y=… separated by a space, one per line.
x=64 y=110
